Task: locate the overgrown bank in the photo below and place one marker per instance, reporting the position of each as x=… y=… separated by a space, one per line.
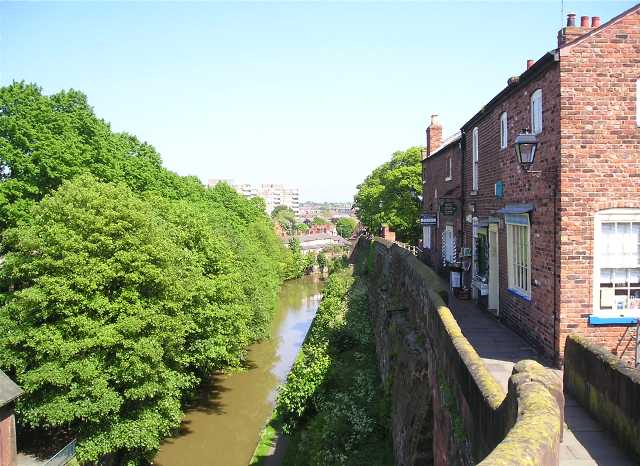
x=333 y=407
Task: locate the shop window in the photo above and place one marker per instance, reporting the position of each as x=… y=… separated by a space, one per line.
x=519 y=253
x=448 y=245
x=617 y=262
x=426 y=236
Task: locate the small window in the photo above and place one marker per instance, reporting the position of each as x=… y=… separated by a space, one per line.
x=448 y=170
x=503 y=131
x=638 y=102
x=474 y=152
x=536 y=112
x=426 y=236
x=617 y=262
x=519 y=254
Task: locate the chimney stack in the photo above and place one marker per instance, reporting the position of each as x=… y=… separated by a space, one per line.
x=530 y=63
x=595 y=22
x=434 y=135
x=573 y=32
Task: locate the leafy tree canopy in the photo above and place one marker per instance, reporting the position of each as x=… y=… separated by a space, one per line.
x=345 y=226
x=320 y=221
x=391 y=195
x=123 y=284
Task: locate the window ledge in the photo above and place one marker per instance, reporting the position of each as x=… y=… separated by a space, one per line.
x=473 y=193
x=448 y=178
x=612 y=320
x=520 y=294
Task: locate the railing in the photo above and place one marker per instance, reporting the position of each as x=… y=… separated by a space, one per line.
x=415 y=250
x=63 y=456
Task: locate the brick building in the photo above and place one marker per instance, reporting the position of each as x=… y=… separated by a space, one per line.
x=442 y=198
x=555 y=249
x=9 y=393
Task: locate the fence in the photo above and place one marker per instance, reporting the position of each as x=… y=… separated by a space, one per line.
x=63 y=456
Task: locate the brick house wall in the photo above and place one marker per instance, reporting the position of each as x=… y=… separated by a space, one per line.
x=600 y=167
x=534 y=318
x=437 y=188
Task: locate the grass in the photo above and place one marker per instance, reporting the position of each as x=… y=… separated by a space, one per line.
x=267 y=443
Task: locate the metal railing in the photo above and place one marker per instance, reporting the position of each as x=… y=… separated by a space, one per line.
x=415 y=250
x=63 y=456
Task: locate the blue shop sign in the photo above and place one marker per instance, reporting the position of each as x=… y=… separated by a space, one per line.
x=428 y=219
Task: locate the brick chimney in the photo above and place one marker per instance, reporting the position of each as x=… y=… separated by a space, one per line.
x=434 y=135
x=387 y=233
x=572 y=32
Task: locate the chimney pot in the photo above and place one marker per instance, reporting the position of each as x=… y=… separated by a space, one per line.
x=530 y=63
x=595 y=22
x=435 y=120
x=571 y=20
x=584 y=21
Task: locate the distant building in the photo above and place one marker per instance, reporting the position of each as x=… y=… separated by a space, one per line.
x=317 y=242
x=9 y=393
x=273 y=194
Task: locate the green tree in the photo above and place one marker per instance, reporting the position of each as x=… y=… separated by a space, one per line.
x=286 y=217
x=320 y=221
x=322 y=261
x=96 y=326
x=345 y=226
x=302 y=228
x=391 y=195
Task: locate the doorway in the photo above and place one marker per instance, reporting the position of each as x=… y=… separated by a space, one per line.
x=494 y=270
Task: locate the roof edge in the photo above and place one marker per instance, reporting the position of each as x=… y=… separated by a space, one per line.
x=568 y=46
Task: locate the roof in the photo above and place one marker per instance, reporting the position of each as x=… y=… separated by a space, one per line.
x=455 y=137
x=9 y=391
x=534 y=71
x=599 y=29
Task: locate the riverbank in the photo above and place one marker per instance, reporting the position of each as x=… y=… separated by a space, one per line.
x=333 y=408
x=222 y=425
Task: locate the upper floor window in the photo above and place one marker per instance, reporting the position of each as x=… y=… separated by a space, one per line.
x=536 y=112
x=503 y=131
x=617 y=262
x=474 y=153
x=638 y=102
x=448 y=169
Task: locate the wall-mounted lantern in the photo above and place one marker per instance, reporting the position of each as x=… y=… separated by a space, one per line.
x=526 y=145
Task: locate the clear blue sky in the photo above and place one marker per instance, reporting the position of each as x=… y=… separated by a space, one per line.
x=310 y=94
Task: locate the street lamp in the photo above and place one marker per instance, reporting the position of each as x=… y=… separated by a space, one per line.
x=526 y=145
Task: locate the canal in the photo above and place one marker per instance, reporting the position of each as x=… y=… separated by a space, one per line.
x=222 y=427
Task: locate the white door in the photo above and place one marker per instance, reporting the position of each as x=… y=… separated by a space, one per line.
x=494 y=272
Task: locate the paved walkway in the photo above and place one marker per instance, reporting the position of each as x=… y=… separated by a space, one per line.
x=585 y=442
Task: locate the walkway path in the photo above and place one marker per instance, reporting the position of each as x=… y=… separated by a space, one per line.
x=585 y=442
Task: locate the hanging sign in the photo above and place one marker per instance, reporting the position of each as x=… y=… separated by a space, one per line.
x=428 y=219
x=448 y=208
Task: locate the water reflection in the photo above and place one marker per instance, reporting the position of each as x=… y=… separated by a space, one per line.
x=222 y=426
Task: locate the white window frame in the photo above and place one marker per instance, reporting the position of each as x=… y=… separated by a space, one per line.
x=449 y=169
x=426 y=236
x=638 y=102
x=519 y=255
x=536 y=112
x=504 y=131
x=474 y=159
x=621 y=215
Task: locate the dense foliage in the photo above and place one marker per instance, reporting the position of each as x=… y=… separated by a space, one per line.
x=345 y=227
x=333 y=402
x=392 y=194
x=122 y=283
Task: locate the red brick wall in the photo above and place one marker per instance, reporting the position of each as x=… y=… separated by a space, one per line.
x=7 y=438
x=600 y=162
x=434 y=171
x=533 y=319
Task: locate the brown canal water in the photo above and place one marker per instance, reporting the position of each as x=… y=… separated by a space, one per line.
x=223 y=426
